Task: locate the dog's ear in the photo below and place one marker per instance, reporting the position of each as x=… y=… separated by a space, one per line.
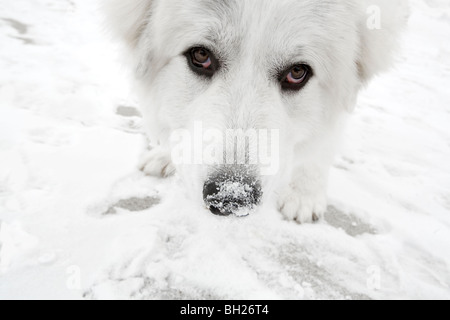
x=383 y=22
x=127 y=19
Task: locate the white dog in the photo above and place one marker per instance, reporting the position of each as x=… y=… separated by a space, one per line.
x=285 y=69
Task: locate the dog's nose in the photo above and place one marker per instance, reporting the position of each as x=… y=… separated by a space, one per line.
x=227 y=194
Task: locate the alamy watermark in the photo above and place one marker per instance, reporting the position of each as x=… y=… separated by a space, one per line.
x=374 y=19
x=73 y=281
x=214 y=147
x=374 y=278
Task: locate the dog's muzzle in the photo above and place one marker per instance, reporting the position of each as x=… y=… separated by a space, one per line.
x=232 y=191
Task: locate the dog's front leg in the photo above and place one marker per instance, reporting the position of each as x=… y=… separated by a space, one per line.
x=304 y=200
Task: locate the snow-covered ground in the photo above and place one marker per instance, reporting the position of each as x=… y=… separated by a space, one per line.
x=78 y=220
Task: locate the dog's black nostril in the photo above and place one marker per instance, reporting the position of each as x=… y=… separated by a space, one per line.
x=211 y=192
x=225 y=195
x=210 y=188
x=217 y=211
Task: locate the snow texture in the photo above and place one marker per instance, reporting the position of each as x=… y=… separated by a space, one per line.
x=78 y=220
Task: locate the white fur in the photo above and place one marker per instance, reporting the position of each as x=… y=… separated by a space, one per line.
x=255 y=37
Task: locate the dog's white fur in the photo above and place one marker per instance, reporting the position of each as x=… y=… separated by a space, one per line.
x=255 y=37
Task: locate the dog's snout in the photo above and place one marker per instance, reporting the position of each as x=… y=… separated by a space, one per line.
x=227 y=194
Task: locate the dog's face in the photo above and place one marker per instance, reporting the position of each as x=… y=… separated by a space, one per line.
x=281 y=72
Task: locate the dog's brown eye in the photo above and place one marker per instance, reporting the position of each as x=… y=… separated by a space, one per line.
x=297 y=74
x=201 y=58
x=296 y=77
x=202 y=61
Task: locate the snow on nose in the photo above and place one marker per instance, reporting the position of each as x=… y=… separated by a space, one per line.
x=232 y=193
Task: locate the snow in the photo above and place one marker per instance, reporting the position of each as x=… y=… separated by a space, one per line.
x=78 y=220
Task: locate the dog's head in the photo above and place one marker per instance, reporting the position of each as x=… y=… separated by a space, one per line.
x=240 y=88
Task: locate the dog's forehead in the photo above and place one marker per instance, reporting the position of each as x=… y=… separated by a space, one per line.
x=281 y=27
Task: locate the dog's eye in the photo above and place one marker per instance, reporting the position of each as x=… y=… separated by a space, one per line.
x=202 y=61
x=296 y=77
x=201 y=58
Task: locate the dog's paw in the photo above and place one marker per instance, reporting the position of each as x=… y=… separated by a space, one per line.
x=302 y=208
x=157 y=162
